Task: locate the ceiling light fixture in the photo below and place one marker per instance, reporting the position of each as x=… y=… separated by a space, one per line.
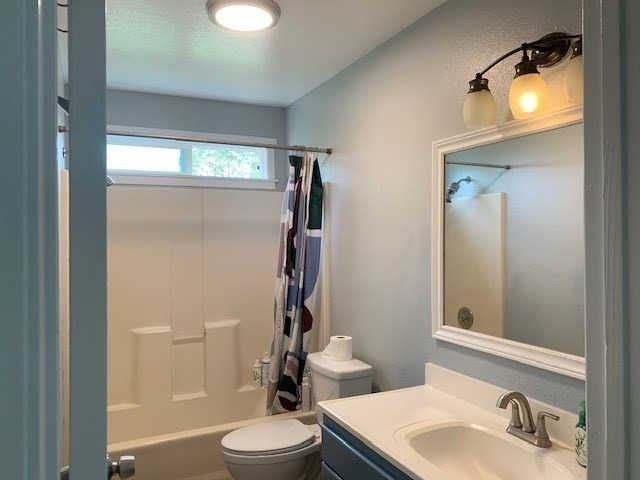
x=528 y=92
x=244 y=16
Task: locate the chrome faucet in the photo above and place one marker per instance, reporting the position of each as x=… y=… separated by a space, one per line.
x=525 y=429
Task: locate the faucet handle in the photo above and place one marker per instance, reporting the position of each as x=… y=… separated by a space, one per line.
x=541 y=428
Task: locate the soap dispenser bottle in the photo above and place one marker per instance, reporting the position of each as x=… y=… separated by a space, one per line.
x=581 y=435
x=265 y=369
x=257 y=374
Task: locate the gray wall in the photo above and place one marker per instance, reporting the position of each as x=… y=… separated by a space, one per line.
x=151 y=110
x=381 y=116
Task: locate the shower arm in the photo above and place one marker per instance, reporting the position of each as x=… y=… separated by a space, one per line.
x=457 y=184
x=453 y=188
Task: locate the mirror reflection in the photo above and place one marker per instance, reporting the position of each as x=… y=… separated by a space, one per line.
x=514 y=239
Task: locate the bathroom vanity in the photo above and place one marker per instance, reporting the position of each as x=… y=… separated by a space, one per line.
x=449 y=428
x=347 y=457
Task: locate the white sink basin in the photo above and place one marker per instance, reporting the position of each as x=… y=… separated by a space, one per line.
x=467 y=451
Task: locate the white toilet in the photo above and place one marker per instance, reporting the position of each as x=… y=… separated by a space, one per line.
x=289 y=449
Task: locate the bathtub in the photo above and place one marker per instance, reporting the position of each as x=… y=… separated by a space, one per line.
x=188 y=455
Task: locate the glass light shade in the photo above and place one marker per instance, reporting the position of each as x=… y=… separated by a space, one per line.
x=244 y=16
x=573 y=80
x=527 y=95
x=479 y=109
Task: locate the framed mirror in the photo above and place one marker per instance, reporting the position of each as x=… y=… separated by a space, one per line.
x=508 y=241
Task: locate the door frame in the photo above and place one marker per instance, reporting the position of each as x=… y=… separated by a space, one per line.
x=87 y=240
x=29 y=403
x=610 y=104
x=29 y=286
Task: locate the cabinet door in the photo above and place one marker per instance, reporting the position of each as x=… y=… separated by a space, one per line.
x=328 y=473
x=348 y=458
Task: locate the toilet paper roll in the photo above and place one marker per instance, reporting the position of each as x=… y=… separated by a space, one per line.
x=339 y=348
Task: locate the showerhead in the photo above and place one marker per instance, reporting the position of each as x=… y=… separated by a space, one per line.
x=453 y=188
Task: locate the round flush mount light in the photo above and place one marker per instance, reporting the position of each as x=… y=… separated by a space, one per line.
x=244 y=16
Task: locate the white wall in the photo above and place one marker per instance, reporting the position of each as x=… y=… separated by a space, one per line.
x=191 y=278
x=381 y=116
x=474 y=262
x=63 y=272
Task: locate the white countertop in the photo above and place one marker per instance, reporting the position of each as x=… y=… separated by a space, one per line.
x=375 y=419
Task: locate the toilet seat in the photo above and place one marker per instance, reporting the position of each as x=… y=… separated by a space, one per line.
x=269 y=439
x=270 y=459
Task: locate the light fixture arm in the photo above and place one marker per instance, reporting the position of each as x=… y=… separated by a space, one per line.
x=544 y=44
x=503 y=57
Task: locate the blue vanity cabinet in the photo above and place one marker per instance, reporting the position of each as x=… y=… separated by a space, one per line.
x=344 y=457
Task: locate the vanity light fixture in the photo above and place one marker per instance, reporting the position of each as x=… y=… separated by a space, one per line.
x=528 y=92
x=573 y=75
x=244 y=15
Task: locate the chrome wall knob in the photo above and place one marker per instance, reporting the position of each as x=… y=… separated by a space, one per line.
x=64 y=473
x=127 y=466
x=124 y=468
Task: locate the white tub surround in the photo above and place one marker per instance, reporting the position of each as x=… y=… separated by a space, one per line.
x=380 y=420
x=183 y=336
x=183 y=383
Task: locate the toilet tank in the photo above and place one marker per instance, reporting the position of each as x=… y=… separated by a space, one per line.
x=334 y=379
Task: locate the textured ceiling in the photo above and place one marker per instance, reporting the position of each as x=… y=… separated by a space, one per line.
x=171 y=47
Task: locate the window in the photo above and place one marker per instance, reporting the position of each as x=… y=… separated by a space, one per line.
x=141 y=160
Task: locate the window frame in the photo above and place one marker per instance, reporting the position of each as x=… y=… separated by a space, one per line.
x=186 y=179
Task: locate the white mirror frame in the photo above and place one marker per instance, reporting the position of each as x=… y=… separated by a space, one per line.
x=563 y=363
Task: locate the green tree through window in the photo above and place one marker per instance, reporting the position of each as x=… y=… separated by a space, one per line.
x=220 y=162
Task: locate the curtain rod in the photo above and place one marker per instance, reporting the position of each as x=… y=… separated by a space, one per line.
x=486 y=165
x=296 y=148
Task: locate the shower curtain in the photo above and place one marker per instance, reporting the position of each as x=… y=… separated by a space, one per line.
x=296 y=282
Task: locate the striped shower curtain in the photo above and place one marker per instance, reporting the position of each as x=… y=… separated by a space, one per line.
x=296 y=282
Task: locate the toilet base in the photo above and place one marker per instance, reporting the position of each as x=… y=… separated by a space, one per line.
x=304 y=468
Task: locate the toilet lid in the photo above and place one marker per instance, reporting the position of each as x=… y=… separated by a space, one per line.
x=279 y=436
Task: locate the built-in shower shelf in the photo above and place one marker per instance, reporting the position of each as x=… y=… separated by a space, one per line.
x=188 y=396
x=122 y=406
x=183 y=384
x=250 y=388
